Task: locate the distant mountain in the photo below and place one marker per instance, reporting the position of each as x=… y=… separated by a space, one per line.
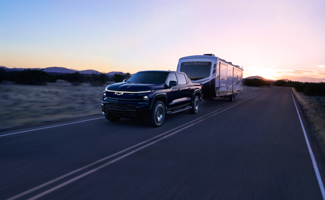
x=89 y=71
x=61 y=70
x=112 y=73
x=284 y=80
x=12 y=69
x=255 y=77
x=5 y=68
x=258 y=77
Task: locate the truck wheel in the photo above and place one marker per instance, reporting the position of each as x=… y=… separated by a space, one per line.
x=195 y=105
x=157 y=115
x=111 y=118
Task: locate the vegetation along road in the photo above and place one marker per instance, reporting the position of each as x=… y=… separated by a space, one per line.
x=254 y=148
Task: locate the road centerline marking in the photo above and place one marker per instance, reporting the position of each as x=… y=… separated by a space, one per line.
x=163 y=136
x=125 y=155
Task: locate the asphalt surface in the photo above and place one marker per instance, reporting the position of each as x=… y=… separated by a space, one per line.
x=253 y=148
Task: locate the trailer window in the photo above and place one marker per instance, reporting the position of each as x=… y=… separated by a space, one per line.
x=196 y=70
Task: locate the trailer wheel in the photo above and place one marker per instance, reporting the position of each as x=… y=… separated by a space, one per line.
x=233 y=98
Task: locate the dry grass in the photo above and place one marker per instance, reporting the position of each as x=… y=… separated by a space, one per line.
x=28 y=105
x=314 y=107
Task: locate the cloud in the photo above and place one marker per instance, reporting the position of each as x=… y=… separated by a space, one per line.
x=316 y=75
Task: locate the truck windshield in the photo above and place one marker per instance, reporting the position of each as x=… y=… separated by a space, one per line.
x=148 y=77
x=196 y=70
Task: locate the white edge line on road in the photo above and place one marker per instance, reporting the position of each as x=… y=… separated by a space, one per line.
x=122 y=151
x=37 y=129
x=313 y=160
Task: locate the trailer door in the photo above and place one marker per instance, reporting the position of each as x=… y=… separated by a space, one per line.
x=237 y=80
x=223 y=79
x=230 y=78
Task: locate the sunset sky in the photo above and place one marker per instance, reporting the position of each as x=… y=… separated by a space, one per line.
x=274 y=39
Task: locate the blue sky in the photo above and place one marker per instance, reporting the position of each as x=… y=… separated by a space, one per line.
x=274 y=39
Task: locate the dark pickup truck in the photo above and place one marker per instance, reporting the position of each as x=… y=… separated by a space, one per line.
x=151 y=94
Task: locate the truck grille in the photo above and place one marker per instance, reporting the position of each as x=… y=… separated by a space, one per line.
x=117 y=106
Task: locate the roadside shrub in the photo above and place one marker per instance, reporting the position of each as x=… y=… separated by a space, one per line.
x=256 y=82
x=3 y=74
x=127 y=76
x=311 y=89
x=118 y=77
x=98 y=79
x=30 y=77
x=52 y=78
x=74 y=78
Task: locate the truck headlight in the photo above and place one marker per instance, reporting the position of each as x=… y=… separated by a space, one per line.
x=145 y=98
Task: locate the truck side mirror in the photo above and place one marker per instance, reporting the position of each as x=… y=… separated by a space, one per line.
x=172 y=83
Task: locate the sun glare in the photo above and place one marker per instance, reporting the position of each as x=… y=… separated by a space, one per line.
x=268 y=73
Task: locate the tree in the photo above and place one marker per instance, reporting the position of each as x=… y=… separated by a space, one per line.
x=3 y=74
x=118 y=77
x=98 y=79
x=30 y=77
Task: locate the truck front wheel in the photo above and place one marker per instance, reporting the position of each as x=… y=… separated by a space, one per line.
x=113 y=119
x=157 y=115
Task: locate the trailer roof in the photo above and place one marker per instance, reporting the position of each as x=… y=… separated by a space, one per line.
x=200 y=56
x=210 y=57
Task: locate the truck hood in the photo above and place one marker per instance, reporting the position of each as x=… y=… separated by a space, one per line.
x=125 y=86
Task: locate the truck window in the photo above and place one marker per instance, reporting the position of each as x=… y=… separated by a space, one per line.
x=196 y=70
x=181 y=79
x=171 y=77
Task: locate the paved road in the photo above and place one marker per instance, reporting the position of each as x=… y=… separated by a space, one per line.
x=250 y=149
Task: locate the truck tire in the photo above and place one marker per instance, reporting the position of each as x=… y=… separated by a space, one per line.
x=112 y=118
x=195 y=105
x=157 y=114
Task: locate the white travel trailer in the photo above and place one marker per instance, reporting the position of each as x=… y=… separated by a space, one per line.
x=218 y=77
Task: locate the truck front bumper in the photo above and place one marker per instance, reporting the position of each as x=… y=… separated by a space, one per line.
x=126 y=109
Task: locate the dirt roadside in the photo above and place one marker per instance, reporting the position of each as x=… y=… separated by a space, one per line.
x=314 y=107
x=25 y=105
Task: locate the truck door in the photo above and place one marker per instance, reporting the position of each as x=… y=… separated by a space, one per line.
x=173 y=93
x=184 y=90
